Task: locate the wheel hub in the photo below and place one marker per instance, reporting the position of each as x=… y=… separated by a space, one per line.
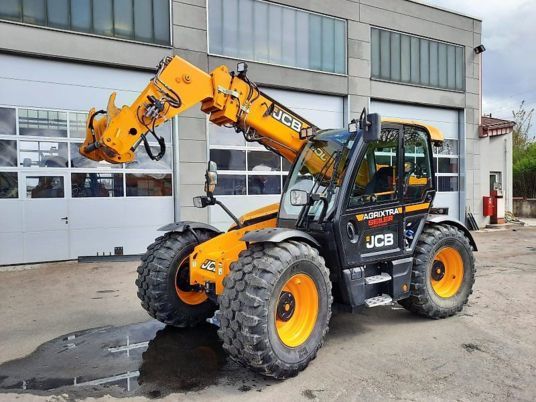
x=438 y=270
x=447 y=272
x=286 y=306
x=183 y=279
x=189 y=294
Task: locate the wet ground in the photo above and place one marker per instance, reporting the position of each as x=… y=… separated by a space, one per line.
x=488 y=352
x=147 y=359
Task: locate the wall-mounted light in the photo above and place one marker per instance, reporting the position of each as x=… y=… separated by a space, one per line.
x=242 y=67
x=480 y=49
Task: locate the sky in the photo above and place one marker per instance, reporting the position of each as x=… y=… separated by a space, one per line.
x=509 y=35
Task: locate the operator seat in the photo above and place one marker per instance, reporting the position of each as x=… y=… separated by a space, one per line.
x=381 y=182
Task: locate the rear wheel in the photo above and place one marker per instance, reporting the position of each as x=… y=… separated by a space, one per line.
x=276 y=308
x=443 y=273
x=164 y=281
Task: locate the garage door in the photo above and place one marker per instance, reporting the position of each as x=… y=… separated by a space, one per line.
x=446 y=158
x=249 y=175
x=54 y=204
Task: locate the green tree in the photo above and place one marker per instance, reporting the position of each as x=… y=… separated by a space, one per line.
x=524 y=153
x=520 y=136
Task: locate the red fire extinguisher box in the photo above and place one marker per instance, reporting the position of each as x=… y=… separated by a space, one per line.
x=489 y=206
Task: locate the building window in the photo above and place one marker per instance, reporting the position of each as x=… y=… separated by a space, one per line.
x=414 y=60
x=42 y=123
x=44 y=144
x=245 y=168
x=269 y=33
x=8 y=121
x=79 y=161
x=77 y=125
x=148 y=185
x=446 y=166
x=9 y=185
x=43 y=154
x=91 y=184
x=8 y=153
x=140 y=20
x=45 y=187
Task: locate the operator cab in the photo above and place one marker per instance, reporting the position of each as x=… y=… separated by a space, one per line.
x=366 y=196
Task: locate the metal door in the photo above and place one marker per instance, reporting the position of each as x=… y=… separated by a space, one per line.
x=45 y=216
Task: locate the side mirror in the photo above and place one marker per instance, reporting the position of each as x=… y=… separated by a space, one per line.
x=299 y=198
x=211 y=178
x=371 y=124
x=203 y=201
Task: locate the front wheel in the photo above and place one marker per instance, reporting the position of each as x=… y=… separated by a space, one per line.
x=443 y=273
x=276 y=307
x=164 y=281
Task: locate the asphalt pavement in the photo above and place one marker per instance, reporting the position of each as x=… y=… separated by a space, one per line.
x=77 y=331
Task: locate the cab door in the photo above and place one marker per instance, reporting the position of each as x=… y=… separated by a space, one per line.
x=371 y=221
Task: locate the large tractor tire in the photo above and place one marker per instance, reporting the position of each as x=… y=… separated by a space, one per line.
x=443 y=272
x=276 y=308
x=163 y=281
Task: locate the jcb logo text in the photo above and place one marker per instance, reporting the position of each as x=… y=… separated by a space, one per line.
x=380 y=240
x=209 y=265
x=286 y=119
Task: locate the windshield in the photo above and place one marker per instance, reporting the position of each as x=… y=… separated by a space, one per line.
x=319 y=169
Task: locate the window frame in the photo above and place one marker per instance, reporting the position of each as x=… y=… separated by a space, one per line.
x=399 y=167
x=410 y=82
x=18 y=185
x=46 y=173
x=437 y=156
x=96 y=35
x=210 y=52
x=246 y=173
x=433 y=176
x=68 y=170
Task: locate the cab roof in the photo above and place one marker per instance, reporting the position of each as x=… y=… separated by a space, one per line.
x=435 y=134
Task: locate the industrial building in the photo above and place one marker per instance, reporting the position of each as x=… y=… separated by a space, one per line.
x=324 y=59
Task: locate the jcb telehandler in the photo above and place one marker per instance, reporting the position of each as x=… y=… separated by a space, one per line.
x=355 y=226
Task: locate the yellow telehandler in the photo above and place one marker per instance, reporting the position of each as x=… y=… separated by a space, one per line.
x=355 y=226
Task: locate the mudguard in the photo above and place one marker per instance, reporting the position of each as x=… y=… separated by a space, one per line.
x=187 y=225
x=453 y=222
x=277 y=235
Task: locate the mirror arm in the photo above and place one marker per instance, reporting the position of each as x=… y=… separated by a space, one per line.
x=324 y=210
x=228 y=212
x=301 y=216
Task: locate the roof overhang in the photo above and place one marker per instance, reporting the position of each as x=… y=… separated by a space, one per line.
x=492 y=127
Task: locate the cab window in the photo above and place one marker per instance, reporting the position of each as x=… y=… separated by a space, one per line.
x=417 y=169
x=376 y=179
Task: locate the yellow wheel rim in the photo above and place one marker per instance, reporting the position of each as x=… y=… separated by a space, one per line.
x=182 y=283
x=447 y=272
x=296 y=310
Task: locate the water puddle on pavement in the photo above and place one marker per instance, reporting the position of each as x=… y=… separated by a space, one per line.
x=141 y=359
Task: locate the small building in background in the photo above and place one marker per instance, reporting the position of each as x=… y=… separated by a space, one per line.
x=496 y=165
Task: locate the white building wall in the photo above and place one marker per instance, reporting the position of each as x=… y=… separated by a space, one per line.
x=496 y=156
x=36 y=229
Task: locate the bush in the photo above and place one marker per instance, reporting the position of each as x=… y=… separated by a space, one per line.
x=524 y=172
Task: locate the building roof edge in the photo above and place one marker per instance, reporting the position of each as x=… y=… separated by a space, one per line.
x=449 y=10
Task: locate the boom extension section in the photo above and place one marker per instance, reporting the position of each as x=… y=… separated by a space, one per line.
x=230 y=99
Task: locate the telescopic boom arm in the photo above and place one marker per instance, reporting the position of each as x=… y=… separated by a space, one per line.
x=230 y=99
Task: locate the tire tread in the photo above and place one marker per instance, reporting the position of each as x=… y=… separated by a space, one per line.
x=244 y=304
x=152 y=282
x=419 y=302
